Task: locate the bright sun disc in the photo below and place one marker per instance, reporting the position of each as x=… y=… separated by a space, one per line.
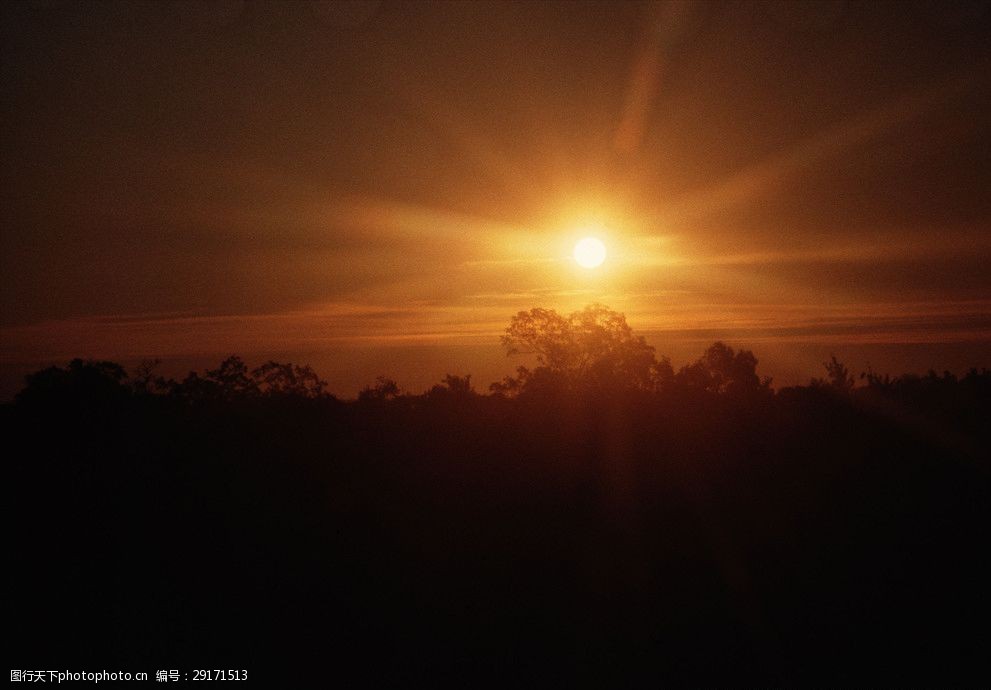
x=590 y=252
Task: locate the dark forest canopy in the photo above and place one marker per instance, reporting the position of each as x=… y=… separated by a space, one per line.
x=588 y=351
x=599 y=517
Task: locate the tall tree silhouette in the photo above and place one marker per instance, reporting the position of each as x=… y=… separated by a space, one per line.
x=81 y=382
x=593 y=346
x=288 y=379
x=723 y=370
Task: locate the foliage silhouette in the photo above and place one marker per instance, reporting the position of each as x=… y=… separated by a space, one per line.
x=585 y=519
x=384 y=389
x=593 y=346
x=456 y=388
x=721 y=370
x=277 y=379
x=838 y=377
x=80 y=383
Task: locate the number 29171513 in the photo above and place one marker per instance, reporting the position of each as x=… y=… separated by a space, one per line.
x=220 y=674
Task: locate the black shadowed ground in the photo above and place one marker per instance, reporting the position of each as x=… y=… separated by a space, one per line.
x=600 y=517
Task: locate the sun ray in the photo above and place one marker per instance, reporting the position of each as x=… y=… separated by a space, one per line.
x=763 y=177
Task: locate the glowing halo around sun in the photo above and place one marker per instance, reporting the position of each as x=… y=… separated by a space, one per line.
x=590 y=252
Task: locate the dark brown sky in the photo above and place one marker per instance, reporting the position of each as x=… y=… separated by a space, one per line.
x=378 y=187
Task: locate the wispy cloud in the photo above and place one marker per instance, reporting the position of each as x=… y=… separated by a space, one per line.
x=482 y=317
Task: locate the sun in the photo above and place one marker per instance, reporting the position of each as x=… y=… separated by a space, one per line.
x=590 y=252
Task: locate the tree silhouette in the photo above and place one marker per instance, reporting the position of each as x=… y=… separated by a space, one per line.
x=876 y=381
x=511 y=386
x=384 y=389
x=144 y=380
x=82 y=382
x=838 y=377
x=288 y=380
x=232 y=378
x=593 y=346
x=337 y=525
x=722 y=370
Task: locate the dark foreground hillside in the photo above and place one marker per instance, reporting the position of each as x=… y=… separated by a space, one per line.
x=816 y=535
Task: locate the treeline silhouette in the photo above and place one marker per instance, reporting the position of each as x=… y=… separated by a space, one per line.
x=600 y=517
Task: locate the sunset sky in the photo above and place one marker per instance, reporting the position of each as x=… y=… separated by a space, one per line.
x=376 y=188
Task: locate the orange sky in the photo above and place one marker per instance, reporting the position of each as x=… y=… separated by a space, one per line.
x=378 y=187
